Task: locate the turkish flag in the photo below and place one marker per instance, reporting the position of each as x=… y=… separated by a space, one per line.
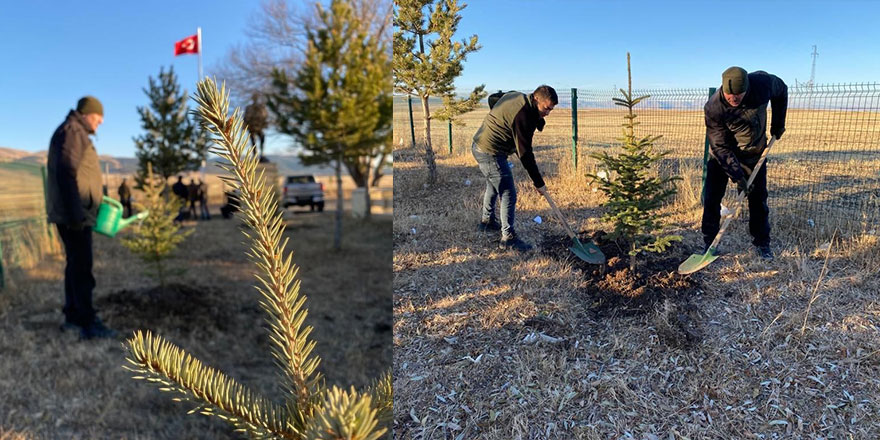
x=187 y=45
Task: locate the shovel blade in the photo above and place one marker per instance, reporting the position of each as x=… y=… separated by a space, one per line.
x=696 y=262
x=588 y=252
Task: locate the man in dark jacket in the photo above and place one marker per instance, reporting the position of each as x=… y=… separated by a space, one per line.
x=125 y=197
x=180 y=190
x=73 y=197
x=508 y=129
x=736 y=125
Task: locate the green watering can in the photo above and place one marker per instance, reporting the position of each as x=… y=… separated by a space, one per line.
x=110 y=219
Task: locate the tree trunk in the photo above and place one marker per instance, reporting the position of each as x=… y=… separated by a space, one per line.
x=377 y=172
x=368 y=214
x=632 y=260
x=429 y=151
x=337 y=234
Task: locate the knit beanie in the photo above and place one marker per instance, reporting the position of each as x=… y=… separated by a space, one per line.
x=734 y=80
x=89 y=104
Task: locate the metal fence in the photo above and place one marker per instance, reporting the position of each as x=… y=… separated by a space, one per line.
x=824 y=174
x=25 y=235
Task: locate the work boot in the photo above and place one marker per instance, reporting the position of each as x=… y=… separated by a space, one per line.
x=69 y=327
x=97 y=330
x=489 y=226
x=514 y=242
x=765 y=252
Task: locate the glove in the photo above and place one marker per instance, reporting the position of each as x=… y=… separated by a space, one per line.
x=777 y=132
x=743 y=186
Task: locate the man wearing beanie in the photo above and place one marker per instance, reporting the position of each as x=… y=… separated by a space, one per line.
x=508 y=129
x=736 y=126
x=74 y=194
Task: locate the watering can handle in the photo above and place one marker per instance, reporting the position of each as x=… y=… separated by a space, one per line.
x=112 y=201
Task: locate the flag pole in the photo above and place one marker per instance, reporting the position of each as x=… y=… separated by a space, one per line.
x=199 y=39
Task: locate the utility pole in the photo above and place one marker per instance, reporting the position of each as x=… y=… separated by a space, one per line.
x=813 y=70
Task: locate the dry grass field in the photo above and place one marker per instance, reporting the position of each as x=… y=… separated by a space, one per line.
x=492 y=344
x=824 y=173
x=53 y=386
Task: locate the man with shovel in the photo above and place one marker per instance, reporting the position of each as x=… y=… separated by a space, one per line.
x=508 y=129
x=73 y=193
x=736 y=126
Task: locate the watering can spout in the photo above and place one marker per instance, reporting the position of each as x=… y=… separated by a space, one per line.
x=127 y=221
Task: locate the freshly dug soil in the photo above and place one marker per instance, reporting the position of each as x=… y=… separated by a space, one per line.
x=618 y=291
x=175 y=306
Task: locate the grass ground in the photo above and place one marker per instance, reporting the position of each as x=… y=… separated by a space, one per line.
x=492 y=344
x=54 y=386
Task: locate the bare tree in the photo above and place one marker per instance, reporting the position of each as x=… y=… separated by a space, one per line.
x=276 y=39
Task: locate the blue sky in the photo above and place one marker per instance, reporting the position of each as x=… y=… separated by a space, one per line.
x=54 y=52
x=569 y=43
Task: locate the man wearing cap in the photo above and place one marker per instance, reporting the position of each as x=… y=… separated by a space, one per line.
x=74 y=195
x=508 y=129
x=736 y=126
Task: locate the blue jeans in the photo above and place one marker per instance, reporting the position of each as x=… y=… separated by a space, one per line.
x=499 y=183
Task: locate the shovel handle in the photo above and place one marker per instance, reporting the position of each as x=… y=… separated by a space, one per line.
x=741 y=196
x=558 y=214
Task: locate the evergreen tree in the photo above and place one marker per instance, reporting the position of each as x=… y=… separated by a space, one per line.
x=172 y=141
x=636 y=192
x=338 y=105
x=310 y=409
x=427 y=67
x=158 y=235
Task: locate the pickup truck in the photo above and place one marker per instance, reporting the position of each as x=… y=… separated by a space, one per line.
x=303 y=190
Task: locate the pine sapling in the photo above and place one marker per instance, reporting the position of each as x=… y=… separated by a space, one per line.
x=158 y=236
x=635 y=191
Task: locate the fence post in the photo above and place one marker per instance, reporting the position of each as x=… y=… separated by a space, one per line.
x=2 y=277
x=450 y=136
x=46 y=203
x=574 y=127
x=412 y=127
x=706 y=157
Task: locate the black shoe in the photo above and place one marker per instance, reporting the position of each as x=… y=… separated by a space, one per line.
x=515 y=243
x=765 y=252
x=490 y=226
x=70 y=327
x=97 y=330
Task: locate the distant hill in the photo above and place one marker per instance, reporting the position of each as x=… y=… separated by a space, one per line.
x=287 y=164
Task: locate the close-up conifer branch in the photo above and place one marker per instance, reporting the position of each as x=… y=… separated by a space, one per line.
x=310 y=410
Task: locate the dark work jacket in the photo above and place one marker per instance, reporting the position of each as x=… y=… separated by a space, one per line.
x=738 y=135
x=73 y=187
x=509 y=128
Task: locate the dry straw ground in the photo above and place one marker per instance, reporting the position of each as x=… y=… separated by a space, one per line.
x=492 y=344
x=53 y=386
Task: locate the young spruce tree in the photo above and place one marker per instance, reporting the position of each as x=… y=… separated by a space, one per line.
x=635 y=191
x=338 y=105
x=310 y=410
x=158 y=235
x=172 y=141
x=427 y=61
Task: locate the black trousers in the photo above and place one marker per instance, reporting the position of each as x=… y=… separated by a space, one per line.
x=759 y=212
x=78 y=279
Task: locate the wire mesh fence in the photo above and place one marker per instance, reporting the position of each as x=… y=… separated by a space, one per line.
x=25 y=235
x=824 y=175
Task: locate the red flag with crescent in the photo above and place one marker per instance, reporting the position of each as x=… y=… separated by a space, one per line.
x=187 y=45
